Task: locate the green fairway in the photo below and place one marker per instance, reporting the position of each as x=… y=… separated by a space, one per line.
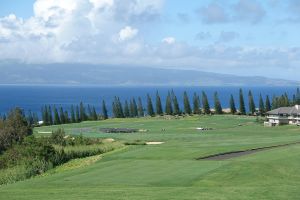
x=170 y=170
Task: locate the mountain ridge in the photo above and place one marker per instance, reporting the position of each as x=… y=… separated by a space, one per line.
x=108 y=75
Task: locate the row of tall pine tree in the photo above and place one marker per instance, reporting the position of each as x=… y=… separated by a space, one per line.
x=52 y=115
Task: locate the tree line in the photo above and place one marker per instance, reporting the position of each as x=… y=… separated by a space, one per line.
x=52 y=115
x=201 y=105
x=132 y=108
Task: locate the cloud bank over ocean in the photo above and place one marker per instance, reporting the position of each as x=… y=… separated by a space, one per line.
x=242 y=37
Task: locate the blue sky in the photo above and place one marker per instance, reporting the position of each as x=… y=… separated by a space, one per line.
x=269 y=30
x=243 y=37
x=22 y=8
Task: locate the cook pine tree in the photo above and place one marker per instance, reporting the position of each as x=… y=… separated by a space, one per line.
x=232 y=105
x=268 y=104
x=104 y=110
x=169 y=108
x=252 y=108
x=196 y=104
x=159 y=110
x=176 y=110
x=205 y=103
x=218 y=107
x=150 y=109
x=242 y=103
x=186 y=104
x=140 y=108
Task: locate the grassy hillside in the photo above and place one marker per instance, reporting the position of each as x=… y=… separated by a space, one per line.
x=170 y=170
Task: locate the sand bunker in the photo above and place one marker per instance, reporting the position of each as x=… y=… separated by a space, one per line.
x=154 y=143
x=44 y=132
x=109 y=140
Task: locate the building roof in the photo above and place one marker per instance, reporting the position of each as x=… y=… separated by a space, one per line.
x=295 y=110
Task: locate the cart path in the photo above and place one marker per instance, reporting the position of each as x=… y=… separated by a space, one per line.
x=234 y=154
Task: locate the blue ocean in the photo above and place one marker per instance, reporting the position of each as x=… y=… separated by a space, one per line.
x=32 y=98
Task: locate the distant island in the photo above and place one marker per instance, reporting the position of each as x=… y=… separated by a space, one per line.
x=106 y=75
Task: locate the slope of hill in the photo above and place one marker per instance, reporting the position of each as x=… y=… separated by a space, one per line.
x=86 y=74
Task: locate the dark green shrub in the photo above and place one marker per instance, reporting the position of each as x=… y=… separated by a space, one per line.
x=13 y=174
x=37 y=166
x=14 y=129
x=58 y=137
x=136 y=142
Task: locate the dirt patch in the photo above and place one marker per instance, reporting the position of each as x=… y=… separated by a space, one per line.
x=234 y=154
x=119 y=130
x=154 y=143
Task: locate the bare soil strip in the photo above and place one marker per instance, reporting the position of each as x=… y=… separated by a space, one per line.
x=233 y=154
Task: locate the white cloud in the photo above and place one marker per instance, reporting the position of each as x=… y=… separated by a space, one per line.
x=111 y=32
x=127 y=33
x=249 y=10
x=76 y=31
x=169 y=40
x=213 y=13
x=137 y=11
x=99 y=4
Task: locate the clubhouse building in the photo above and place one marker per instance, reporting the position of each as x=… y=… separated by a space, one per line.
x=283 y=115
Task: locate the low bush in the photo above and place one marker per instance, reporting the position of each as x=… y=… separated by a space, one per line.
x=59 y=137
x=13 y=174
x=31 y=149
x=80 y=151
x=35 y=156
x=37 y=166
x=136 y=142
